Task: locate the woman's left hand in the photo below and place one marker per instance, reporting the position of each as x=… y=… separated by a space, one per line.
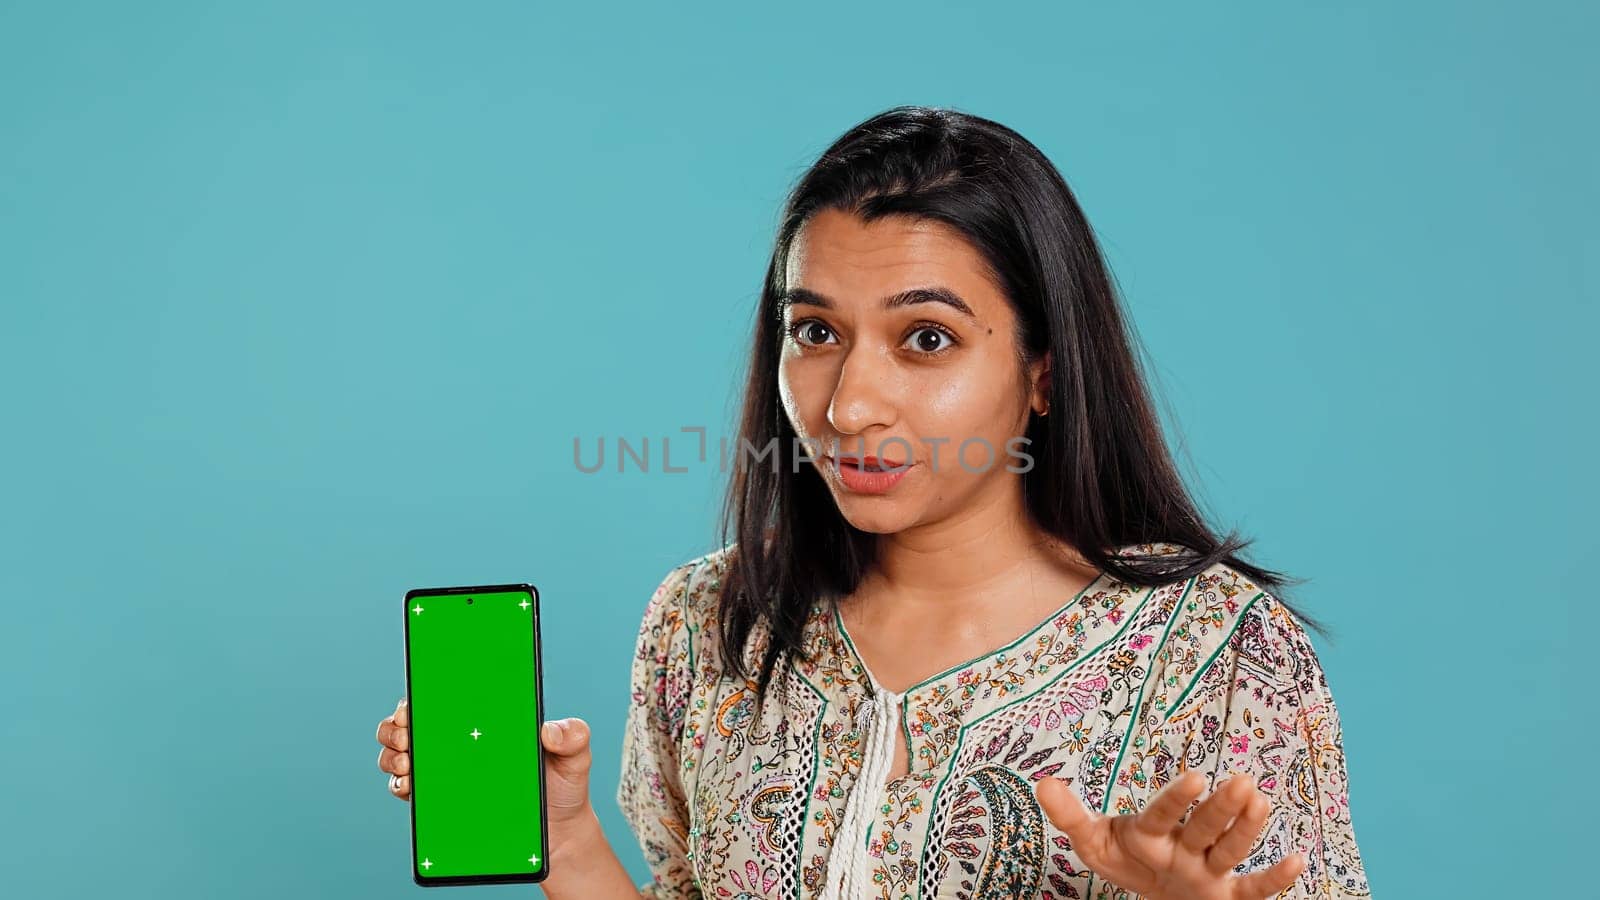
x=1151 y=854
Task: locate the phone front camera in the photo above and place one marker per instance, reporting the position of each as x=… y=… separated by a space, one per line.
x=469 y=599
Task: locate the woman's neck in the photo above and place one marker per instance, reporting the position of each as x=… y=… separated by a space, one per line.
x=951 y=568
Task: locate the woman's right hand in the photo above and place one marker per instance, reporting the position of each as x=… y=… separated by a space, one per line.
x=582 y=863
x=567 y=762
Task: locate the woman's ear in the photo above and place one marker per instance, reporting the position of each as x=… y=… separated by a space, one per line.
x=1039 y=381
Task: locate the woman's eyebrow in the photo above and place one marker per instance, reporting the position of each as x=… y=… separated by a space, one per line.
x=933 y=294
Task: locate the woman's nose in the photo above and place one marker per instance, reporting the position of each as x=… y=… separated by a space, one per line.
x=862 y=397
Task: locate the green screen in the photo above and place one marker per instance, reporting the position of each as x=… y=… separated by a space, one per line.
x=472 y=679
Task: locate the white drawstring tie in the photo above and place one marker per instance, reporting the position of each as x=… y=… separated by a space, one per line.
x=848 y=862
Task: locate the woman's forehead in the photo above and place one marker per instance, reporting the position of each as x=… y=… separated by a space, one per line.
x=840 y=256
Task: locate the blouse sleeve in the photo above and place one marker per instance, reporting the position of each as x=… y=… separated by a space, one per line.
x=650 y=790
x=1262 y=706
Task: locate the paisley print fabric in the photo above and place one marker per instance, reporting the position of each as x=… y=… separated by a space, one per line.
x=1120 y=691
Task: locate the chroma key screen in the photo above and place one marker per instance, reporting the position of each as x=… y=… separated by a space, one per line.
x=471 y=676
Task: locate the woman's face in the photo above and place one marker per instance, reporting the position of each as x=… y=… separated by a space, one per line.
x=915 y=382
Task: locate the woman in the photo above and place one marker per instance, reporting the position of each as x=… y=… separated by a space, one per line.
x=1006 y=667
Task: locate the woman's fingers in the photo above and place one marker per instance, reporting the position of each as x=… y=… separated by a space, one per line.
x=394 y=733
x=394 y=762
x=1272 y=881
x=1235 y=843
x=394 y=730
x=565 y=737
x=1211 y=819
x=1224 y=828
x=1162 y=814
x=568 y=742
x=1060 y=802
x=386 y=730
x=567 y=755
x=398 y=765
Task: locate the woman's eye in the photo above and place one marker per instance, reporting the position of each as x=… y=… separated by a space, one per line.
x=928 y=340
x=807 y=331
x=931 y=340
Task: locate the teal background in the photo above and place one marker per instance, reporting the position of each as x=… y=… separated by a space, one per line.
x=303 y=304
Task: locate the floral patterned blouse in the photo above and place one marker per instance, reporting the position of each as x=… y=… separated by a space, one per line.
x=1119 y=692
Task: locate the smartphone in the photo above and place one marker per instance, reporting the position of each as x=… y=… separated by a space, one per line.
x=475 y=687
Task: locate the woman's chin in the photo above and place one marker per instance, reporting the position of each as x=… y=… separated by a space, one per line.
x=875 y=514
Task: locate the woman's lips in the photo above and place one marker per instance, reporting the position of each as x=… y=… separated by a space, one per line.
x=867 y=481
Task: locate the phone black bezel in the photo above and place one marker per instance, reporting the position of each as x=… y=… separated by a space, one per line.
x=538 y=671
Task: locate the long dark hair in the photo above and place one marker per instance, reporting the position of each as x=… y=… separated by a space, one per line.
x=1102 y=477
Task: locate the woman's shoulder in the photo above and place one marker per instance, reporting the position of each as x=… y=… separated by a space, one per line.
x=694 y=586
x=683 y=608
x=1225 y=619
x=1221 y=593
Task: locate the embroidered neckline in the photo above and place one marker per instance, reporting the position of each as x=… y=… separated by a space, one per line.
x=1051 y=620
x=928 y=710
